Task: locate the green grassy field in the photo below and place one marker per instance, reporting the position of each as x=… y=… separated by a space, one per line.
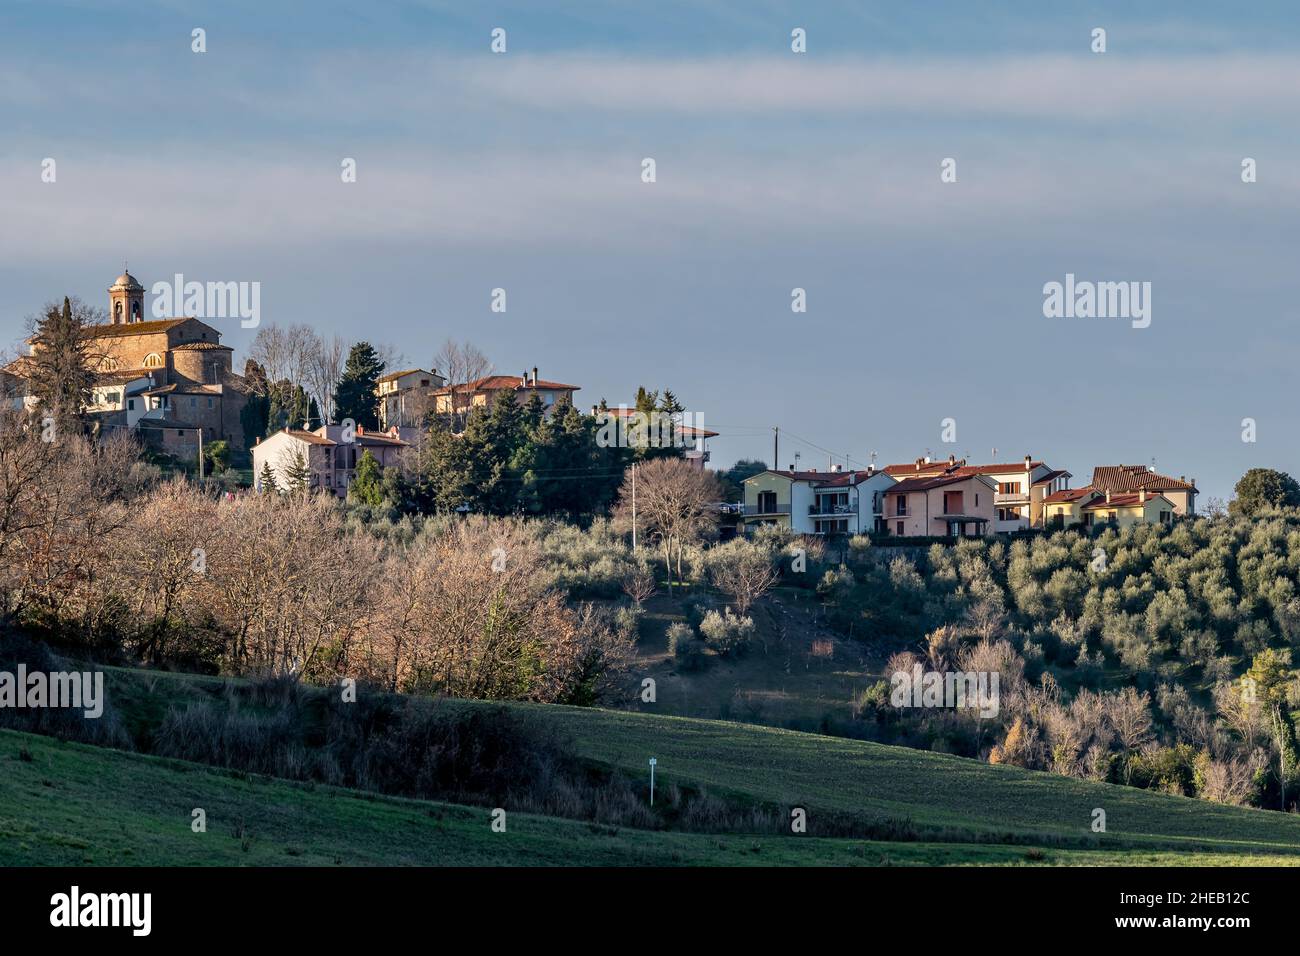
x=72 y=803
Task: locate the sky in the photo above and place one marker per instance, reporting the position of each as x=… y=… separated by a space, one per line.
x=775 y=170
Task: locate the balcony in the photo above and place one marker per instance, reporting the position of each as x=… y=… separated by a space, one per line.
x=830 y=510
x=778 y=509
x=1010 y=498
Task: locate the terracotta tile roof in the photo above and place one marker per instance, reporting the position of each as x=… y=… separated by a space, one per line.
x=394 y=376
x=1017 y=466
x=498 y=383
x=310 y=438
x=183 y=388
x=1051 y=476
x=942 y=466
x=120 y=377
x=1133 y=477
x=200 y=347
x=362 y=438
x=925 y=483
x=135 y=328
x=689 y=431
x=1067 y=495
x=164 y=423
x=1123 y=501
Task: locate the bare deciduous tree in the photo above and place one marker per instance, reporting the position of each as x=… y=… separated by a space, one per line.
x=461 y=363
x=743 y=570
x=674 y=503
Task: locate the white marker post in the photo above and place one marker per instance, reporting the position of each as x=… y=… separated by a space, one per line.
x=652 y=780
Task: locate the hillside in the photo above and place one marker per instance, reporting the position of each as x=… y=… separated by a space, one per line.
x=874 y=803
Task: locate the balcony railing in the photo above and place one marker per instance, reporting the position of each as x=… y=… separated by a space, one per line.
x=1010 y=498
x=831 y=510
x=766 y=510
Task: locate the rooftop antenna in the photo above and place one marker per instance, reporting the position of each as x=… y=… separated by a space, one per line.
x=873 y=459
x=796 y=461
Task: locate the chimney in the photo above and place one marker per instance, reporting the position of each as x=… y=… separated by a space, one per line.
x=1107 y=496
x=257 y=440
x=534 y=376
x=1142 y=495
x=1029 y=463
x=952 y=460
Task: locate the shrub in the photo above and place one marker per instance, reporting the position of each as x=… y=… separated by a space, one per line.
x=727 y=633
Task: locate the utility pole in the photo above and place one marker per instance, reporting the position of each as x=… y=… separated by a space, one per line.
x=200 y=454
x=776 y=447
x=634 y=508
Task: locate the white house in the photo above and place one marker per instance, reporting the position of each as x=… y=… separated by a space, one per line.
x=330 y=458
x=817 y=502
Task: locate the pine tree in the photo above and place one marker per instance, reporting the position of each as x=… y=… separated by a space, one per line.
x=355 y=396
x=297 y=475
x=267 y=479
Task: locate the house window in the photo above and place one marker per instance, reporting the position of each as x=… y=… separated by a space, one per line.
x=180 y=433
x=130 y=404
x=209 y=403
x=901 y=508
x=900 y=529
x=193 y=402
x=766 y=502
x=952 y=502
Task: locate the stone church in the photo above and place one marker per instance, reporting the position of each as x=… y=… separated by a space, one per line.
x=164 y=379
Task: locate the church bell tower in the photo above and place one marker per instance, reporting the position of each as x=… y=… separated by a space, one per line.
x=125 y=300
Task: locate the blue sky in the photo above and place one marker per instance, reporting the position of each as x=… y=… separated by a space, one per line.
x=775 y=170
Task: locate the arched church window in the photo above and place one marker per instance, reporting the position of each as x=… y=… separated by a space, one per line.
x=153 y=360
x=117 y=311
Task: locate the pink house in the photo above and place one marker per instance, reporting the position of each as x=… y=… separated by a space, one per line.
x=956 y=505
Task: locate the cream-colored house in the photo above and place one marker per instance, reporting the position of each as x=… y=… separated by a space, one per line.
x=330 y=458
x=407 y=397
x=485 y=392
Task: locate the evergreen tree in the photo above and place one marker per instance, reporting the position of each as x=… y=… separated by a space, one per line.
x=257 y=408
x=367 y=486
x=61 y=377
x=1262 y=488
x=355 y=396
x=297 y=475
x=267 y=478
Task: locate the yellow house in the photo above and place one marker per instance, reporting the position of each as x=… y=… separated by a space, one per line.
x=1129 y=509
x=1065 y=507
x=768 y=499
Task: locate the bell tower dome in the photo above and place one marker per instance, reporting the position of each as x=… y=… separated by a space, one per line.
x=125 y=300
